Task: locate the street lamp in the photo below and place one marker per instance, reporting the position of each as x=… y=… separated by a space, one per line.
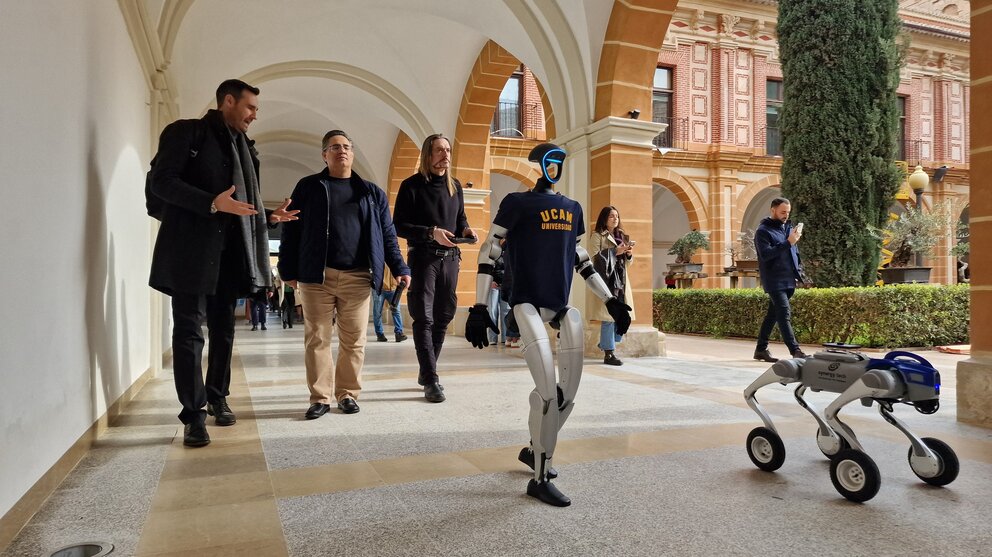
x=918 y=180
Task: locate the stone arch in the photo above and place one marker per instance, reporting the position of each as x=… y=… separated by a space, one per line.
x=361 y=163
x=412 y=120
x=687 y=193
x=519 y=171
x=630 y=53
x=751 y=191
x=471 y=141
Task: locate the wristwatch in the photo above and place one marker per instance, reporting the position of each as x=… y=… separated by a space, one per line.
x=213 y=208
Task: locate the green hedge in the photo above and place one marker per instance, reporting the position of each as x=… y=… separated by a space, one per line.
x=887 y=316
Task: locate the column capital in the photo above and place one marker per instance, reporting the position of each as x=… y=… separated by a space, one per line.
x=612 y=130
x=475 y=196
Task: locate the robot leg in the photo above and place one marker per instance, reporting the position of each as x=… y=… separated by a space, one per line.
x=544 y=398
x=874 y=384
x=544 y=416
x=569 y=360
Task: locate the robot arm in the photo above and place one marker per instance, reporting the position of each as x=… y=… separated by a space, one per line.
x=595 y=282
x=478 y=315
x=489 y=252
x=617 y=308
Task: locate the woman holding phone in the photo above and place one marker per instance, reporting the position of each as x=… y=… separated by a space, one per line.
x=611 y=250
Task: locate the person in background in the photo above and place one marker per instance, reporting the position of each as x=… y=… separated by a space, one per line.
x=611 y=249
x=780 y=268
x=386 y=296
x=259 y=305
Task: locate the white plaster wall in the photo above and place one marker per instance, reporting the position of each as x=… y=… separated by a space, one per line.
x=73 y=153
x=669 y=222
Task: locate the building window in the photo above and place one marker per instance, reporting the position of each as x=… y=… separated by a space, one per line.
x=507 y=119
x=773 y=108
x=902 y=146
x=661 y=106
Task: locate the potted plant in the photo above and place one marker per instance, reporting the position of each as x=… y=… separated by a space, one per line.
x=684 y=248
x=914 y=232
x=743 y=251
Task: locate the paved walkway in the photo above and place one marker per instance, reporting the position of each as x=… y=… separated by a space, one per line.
x=652 y=456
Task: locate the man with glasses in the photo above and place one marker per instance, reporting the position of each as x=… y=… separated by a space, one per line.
x=333 y=253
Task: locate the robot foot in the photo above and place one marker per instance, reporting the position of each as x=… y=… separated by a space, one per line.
x=527 y=457
x=546 y=492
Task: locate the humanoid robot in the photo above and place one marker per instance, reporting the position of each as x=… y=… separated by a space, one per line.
x=542 y=230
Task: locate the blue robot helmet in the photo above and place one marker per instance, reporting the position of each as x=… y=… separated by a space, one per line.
x=547 y=155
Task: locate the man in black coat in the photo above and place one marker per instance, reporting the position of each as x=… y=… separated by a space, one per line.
x=778 y=261
x=212 y=247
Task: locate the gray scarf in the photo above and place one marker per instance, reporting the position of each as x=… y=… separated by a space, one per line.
x=253 y=227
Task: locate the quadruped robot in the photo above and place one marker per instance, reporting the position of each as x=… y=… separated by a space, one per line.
x=899 y=377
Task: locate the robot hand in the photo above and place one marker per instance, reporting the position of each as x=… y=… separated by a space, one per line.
x=475 y=327
x=620 y=312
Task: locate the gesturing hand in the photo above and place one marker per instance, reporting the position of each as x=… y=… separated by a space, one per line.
x=225 y=203
x=282 y=215
x=475 y=327
x=620 y=312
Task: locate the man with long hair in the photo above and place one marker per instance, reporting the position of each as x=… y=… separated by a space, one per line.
x=430 y=214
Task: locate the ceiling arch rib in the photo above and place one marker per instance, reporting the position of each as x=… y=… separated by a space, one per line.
x=415 y=123
x=173 y=13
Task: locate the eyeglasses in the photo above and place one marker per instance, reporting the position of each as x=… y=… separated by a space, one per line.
x=338 y=147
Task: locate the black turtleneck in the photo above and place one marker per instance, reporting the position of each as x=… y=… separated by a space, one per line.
x=422 y=203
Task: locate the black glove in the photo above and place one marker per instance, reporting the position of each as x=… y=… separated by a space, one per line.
x=478 y=321
x=620 y=312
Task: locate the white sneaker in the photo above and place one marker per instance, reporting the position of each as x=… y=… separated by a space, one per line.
x=513 y=343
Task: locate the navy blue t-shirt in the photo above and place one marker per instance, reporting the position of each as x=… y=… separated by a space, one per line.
x=347 y=236
x=542 y=231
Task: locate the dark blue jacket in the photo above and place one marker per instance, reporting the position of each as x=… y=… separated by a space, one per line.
x=778 y=260
x=303 y=247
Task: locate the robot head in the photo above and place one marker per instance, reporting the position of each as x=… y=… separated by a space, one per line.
x=551 y=158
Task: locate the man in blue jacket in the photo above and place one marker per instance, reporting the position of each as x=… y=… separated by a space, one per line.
x=778 y=261
x=335 y=251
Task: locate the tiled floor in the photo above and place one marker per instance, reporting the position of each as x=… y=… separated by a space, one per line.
x=652 y=456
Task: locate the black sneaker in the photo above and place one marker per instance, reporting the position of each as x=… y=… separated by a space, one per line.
x=546 y=492
x=195 y=435
x=799 y=354
x=379 y=337
x=221 y=412
x=612 y=360
x=400 y=337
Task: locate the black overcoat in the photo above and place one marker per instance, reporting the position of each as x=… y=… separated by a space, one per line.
x=192 y=167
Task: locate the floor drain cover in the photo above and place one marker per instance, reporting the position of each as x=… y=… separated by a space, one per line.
x=87 y=549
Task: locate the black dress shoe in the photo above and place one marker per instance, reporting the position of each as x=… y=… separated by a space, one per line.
x=433 y=392
x=317 y=410
x=546 y=492
x=195 y=435
x=764 y=356
x=254 y=327
x=799 y=354
x=379 y=337
x=400 y=337
x=527 y=457
x=221 y=412
x=263 y=327
x=348 y=405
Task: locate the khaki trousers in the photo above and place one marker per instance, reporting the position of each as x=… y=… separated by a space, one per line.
x=344 y=296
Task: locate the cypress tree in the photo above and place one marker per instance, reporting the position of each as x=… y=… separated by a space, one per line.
x=840 y=66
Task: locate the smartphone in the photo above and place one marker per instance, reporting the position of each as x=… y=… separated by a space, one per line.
x=632 y=243
x=464 y=240
x=398 y=295
x=799 y=228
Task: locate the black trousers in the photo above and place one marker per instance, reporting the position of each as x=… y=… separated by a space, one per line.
x=432 y=302
x=779 y=312
x=288 y=307
x=188 y=314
